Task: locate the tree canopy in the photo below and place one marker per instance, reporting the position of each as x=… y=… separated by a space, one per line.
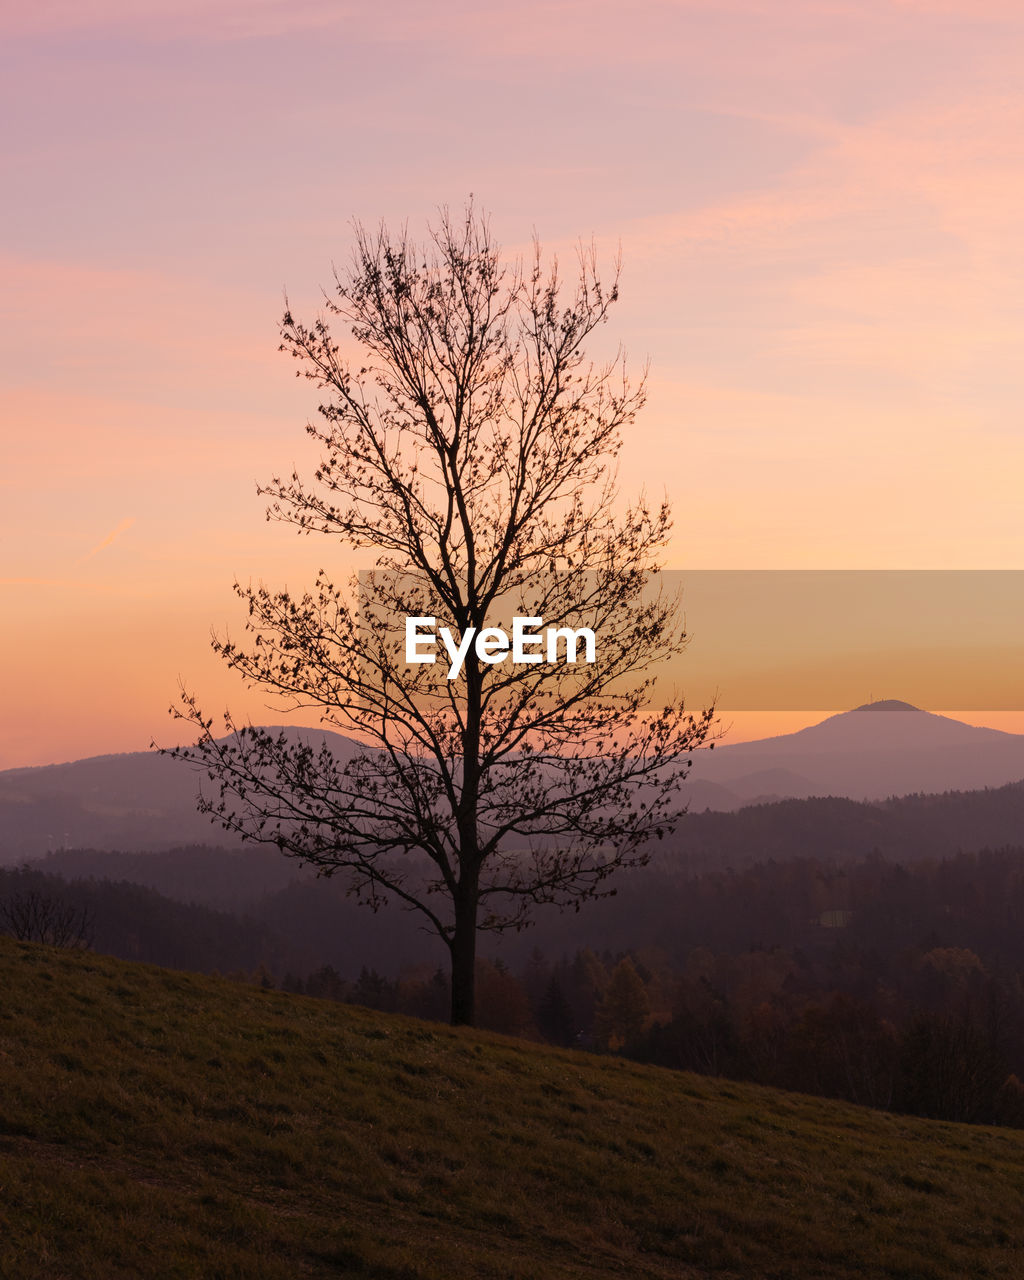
x=466 y=438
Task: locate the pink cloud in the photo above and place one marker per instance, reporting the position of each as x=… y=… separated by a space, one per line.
x=169 y=19
x=111 y=537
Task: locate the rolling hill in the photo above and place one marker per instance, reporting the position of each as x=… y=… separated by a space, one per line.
x=135 y=801
x=144 y=801
x=156 y=1123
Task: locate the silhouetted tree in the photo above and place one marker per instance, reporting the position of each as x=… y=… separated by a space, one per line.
x=36 y=916
x=624 y=1007
x=554 y=1015
x=587 y=979
x=472 y=446
x=428 y=997
x=842 y=1050
x=950 y=1068
x=328 y=984
x=502 y=1001
x=374 y=991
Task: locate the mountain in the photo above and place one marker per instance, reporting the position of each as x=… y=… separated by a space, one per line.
x=136 y=801
x=144 y=801
x=882 y=749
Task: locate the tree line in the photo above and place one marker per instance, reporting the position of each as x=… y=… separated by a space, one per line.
x=899 y=987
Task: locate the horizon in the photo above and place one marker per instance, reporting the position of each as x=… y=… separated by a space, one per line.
x=747 y=726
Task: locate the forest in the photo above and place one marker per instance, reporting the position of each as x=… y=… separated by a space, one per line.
x=895 y=984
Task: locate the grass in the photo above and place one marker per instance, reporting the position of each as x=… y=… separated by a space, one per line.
x=157 y=1124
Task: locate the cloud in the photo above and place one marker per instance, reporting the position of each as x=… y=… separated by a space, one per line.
x=91 y=587
x=161 y=20
x=125 y=525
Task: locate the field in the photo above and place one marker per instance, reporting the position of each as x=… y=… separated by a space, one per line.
x=158 y=1124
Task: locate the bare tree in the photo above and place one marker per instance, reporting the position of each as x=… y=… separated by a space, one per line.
x=35 y=916
x=472 y=446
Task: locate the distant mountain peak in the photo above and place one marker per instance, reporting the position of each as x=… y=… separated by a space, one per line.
x=860 y=755
x=888 y=704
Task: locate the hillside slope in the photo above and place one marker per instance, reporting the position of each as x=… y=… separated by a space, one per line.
x=881 y=749
x=136 y=801
x=153 y=1123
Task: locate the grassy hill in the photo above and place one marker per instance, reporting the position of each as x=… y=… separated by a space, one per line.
x=156 y=1124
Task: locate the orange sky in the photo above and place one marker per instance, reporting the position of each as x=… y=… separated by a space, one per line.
x=818 y=208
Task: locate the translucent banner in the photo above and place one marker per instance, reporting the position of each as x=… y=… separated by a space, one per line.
x=807 y=640
x=758 y=640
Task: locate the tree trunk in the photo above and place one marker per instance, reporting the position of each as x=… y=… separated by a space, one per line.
x=467 y=895
x=463 y=951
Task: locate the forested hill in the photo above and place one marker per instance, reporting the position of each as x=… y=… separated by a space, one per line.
x=904 y=829
x=654 y=904
x=901 y=829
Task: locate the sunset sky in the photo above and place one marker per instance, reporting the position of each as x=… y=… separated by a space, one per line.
x=819 y=211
